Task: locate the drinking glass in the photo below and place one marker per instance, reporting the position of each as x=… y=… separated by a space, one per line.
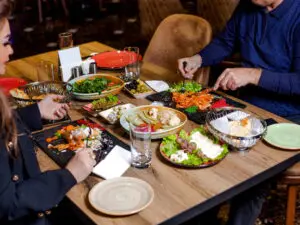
x=132 y=68
x=140 y=145
x=65 y=40
x=46 y=71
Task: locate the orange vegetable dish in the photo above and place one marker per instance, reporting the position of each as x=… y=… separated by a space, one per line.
x=200 y=99
x=74 y=142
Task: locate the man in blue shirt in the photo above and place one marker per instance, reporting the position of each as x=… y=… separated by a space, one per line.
x=267 y=35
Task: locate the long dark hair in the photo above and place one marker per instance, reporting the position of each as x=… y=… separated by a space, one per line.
x=5 y=8
x=7 y=124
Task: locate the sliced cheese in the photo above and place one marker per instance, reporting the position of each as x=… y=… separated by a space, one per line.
x=208 y=148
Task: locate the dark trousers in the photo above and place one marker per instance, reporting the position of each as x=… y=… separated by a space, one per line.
x=244 y=208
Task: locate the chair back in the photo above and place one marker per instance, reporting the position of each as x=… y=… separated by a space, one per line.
x=179 y=36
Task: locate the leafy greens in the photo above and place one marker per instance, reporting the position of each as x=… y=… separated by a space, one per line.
x=187 y=86
x=96 y=85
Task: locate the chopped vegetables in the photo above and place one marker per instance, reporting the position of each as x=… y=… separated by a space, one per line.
x=188 y=99
x=105 y=102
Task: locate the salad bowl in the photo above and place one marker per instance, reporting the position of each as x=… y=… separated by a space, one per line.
x=156 y=133
x=89 y=87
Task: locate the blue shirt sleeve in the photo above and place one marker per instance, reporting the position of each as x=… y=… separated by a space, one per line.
x=285 y=83
x=223 y=45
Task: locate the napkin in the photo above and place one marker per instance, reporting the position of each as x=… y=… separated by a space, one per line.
x=114 y=164
x=157 y=85
x=69 y=58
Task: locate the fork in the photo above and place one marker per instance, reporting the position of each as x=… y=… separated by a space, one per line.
x=87 y=139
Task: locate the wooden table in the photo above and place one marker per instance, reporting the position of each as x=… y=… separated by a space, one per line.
x=180 y=194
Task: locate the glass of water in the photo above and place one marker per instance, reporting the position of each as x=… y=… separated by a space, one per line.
x=46 y=71
x=140 y=145
x=132 y=68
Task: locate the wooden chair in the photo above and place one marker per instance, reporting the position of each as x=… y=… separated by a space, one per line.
x=153 y=12
x=291 y=178
x=179 y=36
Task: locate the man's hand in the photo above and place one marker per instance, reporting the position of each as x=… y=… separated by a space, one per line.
x=188 y=66
x=234 y=78
x=52 y=110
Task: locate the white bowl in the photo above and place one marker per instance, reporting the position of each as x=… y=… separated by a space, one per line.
x=158 y=134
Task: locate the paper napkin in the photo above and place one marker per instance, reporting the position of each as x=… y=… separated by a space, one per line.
x=69 y=58
x=157 y=85
x=115 y=163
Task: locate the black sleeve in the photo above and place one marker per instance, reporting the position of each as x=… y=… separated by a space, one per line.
x=31 y=117
x=36 y=194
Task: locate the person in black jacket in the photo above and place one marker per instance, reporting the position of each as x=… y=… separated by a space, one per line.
x=27 y=194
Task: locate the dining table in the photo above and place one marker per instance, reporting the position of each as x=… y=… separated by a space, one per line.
x=180 y=194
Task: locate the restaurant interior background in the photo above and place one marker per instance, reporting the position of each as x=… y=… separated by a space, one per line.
x=112 y=22
x=116 y=23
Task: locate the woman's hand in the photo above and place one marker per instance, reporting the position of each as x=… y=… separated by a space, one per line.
x=52 y=110
x=188 y=66
x=81 y=165
x=233 y=78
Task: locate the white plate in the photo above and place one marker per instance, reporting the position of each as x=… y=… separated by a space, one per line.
x=121 y=196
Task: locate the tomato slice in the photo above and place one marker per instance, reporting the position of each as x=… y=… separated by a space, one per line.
x=90 y=124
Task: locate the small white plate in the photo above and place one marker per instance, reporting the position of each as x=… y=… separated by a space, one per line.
x=124 y=107
x=121 y=196
x=157 y=85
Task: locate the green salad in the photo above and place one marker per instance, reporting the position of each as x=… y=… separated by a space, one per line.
x=96 y=85
x=195 y=149
x=186 y=86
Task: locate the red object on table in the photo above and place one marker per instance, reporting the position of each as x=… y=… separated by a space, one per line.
x=114 y=59
x=8 y=83
x=219 y=104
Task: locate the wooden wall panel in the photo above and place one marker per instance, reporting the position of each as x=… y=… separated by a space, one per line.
x=152 y=12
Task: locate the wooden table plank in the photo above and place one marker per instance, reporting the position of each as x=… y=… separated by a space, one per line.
x=180 y=194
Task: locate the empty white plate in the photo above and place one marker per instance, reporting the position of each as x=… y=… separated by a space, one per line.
x=121 y=196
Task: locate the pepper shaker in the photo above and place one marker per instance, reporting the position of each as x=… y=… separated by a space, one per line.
x=93 y=68
x=76 y=72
